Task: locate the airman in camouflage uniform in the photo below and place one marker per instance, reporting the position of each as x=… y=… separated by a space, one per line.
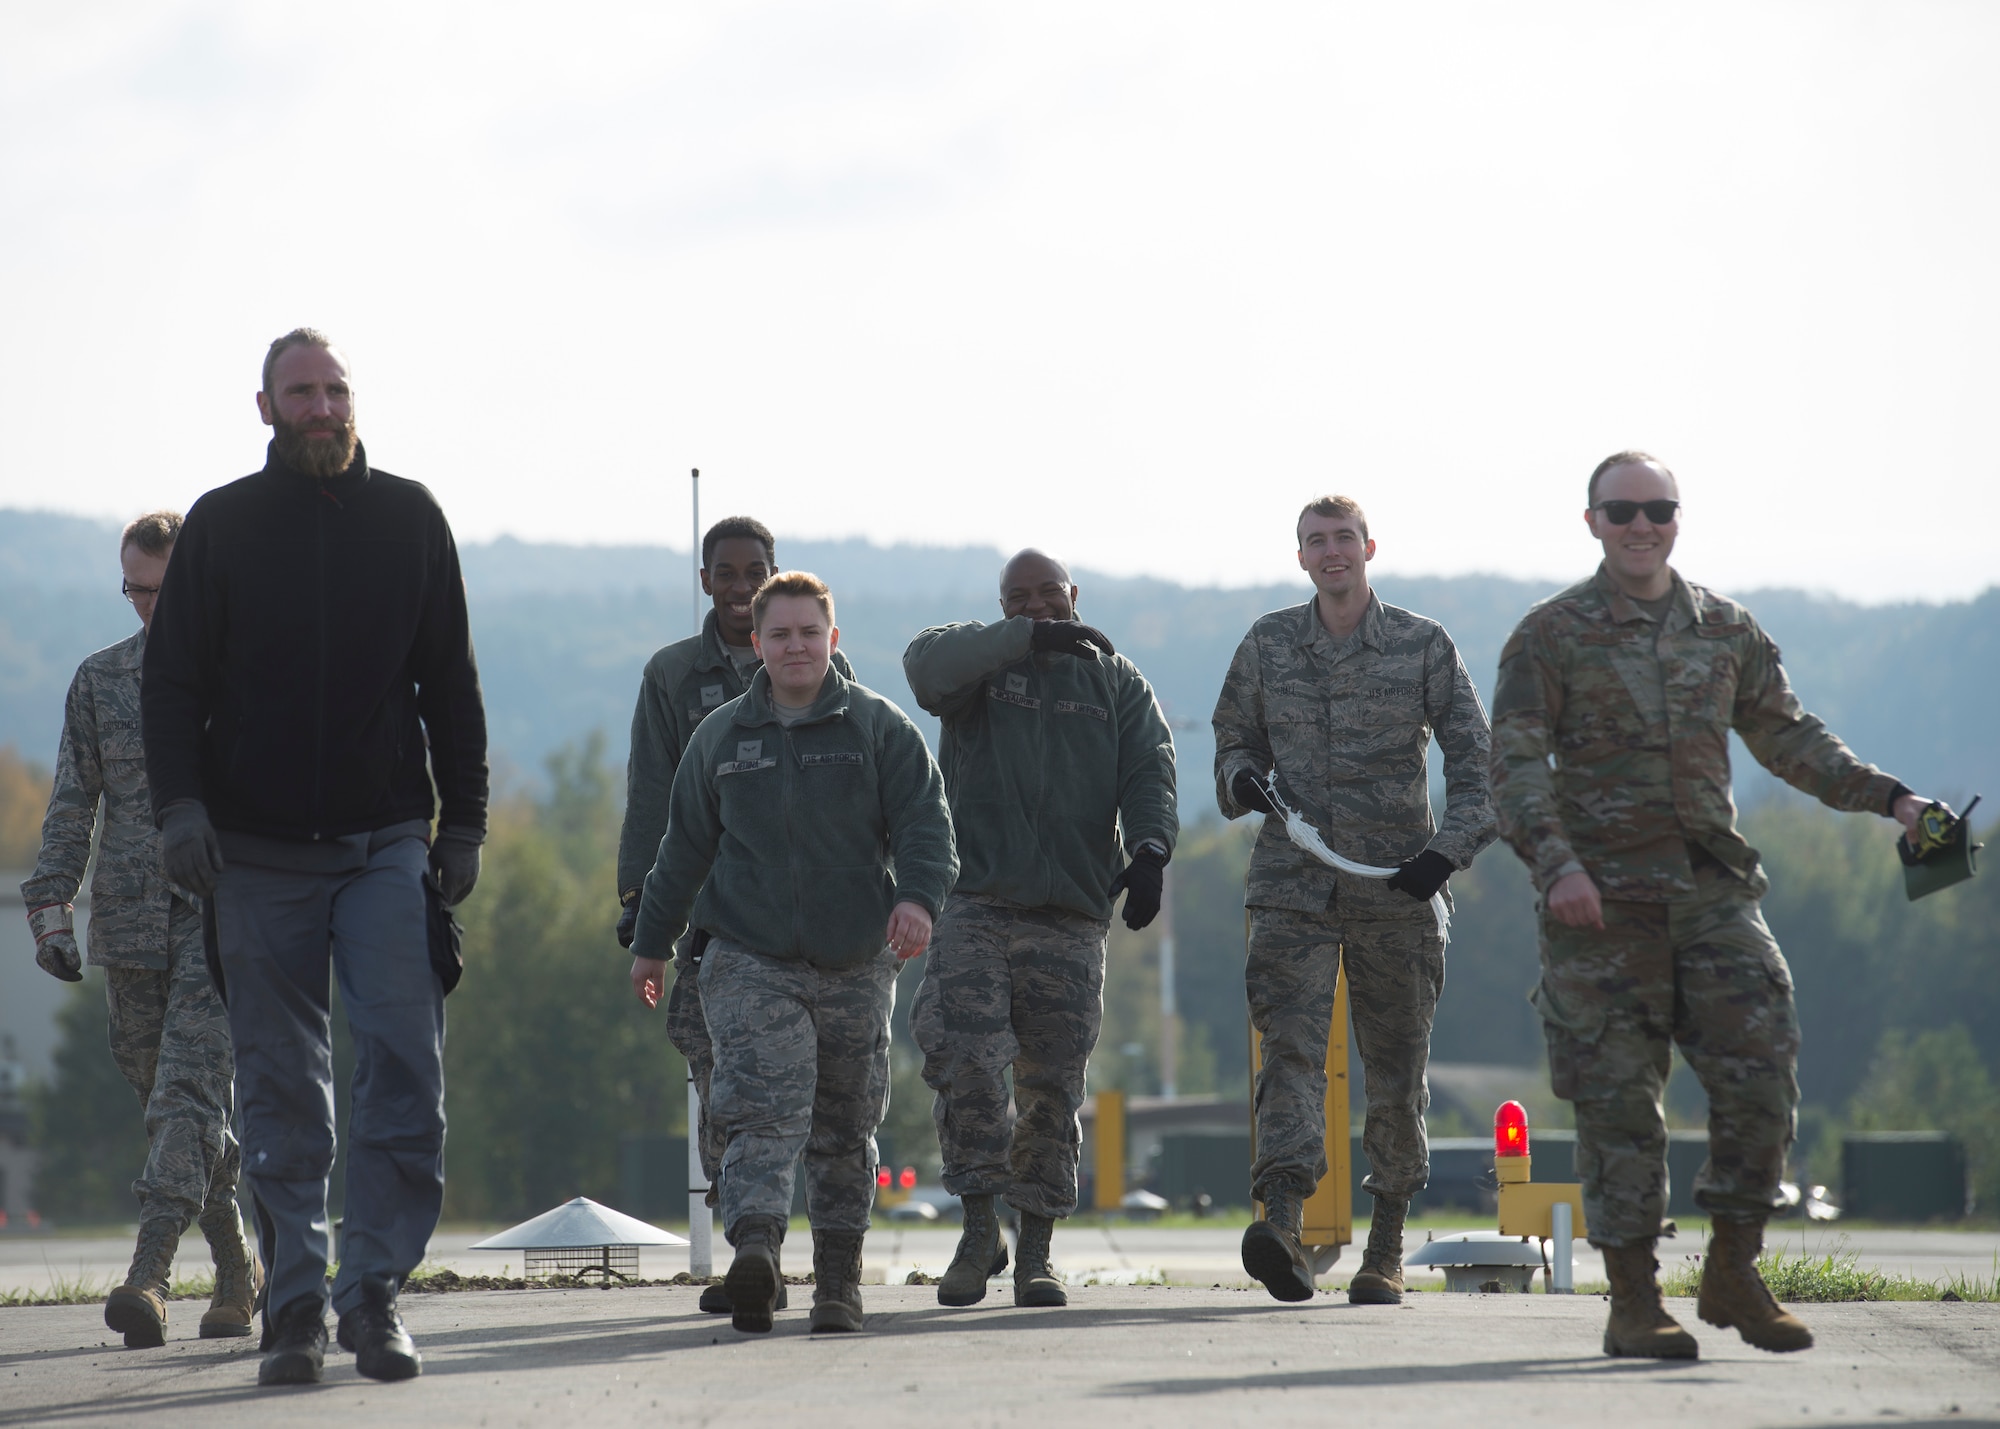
x=1060 y=768
x=808 y=829
x=169 y=1035
x=1612 y=716
x=1342 y=696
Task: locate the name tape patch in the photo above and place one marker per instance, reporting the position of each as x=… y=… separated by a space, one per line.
x=743 y=766
x=840 y=758
x=1013 y=697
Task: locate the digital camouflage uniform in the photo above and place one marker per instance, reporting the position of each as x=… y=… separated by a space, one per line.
x=1347 y=724
x=790 y=844
x=1057 y=768
x=1611 y=757
x=169 y=1034
x=681 y=684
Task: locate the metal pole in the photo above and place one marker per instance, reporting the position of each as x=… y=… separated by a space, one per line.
x=701 y=1226
x=1563 y=1282
x=1170 y=1021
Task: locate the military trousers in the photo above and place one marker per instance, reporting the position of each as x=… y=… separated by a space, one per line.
x=801 y=1066
x=1702 y=972
x=278 y=932
x=1395 y=972
x=170 y=1041
x=1007 y=986
x=687 y=1029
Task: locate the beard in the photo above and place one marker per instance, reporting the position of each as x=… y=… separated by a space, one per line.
x=318 y=458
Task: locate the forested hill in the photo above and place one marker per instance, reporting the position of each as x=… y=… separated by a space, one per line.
x=563 y=631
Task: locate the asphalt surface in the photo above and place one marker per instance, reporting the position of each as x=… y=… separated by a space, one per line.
x=1124 y=1253
x=1116 y=1356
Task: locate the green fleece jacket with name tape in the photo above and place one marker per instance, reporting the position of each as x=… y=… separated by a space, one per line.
x=796 y=841
x=1057 y=767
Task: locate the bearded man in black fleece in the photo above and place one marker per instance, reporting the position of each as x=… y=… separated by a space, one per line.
x=310 y=656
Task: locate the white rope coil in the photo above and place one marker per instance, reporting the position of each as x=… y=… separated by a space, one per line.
x=1308 y=838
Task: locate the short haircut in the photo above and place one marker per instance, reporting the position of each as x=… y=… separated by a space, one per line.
x=1628 y=458
x=1332 y=506
x=297 y=337
x=154 y=533
x=790 y=583
x=731 y=528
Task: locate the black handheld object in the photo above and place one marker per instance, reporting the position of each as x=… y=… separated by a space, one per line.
x=1143 y=883
x=1943 y=853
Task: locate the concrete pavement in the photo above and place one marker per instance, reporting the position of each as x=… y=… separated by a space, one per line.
x=1117 y=1356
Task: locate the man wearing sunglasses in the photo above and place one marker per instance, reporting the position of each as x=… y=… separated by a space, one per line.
x=1611 y=724
x=169 y=1034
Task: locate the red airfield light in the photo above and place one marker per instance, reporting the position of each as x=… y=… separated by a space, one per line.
x=1510 y=1130
x=908 y=1179
x=884 y=1178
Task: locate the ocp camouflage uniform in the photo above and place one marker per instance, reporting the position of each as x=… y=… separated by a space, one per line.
x=1347 y=724
x=169 y=1035
x=1057 y=767
x=1611 y=757
x=682 y=683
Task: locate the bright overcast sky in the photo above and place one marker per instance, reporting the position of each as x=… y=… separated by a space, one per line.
x=1128 y=281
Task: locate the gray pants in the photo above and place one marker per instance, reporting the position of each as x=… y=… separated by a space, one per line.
x=277 y=930
x=801 y=1064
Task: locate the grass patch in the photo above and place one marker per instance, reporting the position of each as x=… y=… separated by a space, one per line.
x=92 y=1289
x=1837 y=1276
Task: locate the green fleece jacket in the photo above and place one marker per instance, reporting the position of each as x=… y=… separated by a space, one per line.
x=797 y=841
x=1056 y=766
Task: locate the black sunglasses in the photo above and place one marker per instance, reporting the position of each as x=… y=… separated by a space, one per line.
x=1620 y=513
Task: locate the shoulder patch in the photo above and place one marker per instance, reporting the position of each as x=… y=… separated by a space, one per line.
x=1516 y=643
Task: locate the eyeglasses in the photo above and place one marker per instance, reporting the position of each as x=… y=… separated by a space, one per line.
x=137 y=592
x=1620 y=513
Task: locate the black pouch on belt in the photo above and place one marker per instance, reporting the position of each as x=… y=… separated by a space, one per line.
x=444 y=935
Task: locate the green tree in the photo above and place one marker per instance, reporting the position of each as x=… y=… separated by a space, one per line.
x=1936 y=1081
x=89 y=1126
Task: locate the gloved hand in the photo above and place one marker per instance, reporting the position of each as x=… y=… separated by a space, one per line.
x=1070 y=637
x=455 y=864
x=1421 y=877
x=628 y=921
x=1248 y=790
x=1142 y=882
x=189 y=850
x=56 y=952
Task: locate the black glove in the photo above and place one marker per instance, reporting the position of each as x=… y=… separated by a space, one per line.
x=1142 y=882
x=1249 y=791
x=628 y=921
x=189 y=850
x=1421 y=877
x=455 y=864
x=1070 y=637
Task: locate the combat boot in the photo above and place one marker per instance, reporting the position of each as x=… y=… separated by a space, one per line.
x=1380 y=1279
x=239 y=1277
x=1640 y=1326
x=373 y=1333
x=982 y=1254
x=1271 y=1249
x=836 y=1280
x=138 y=1308
x=754 y=1278
x=297 y=1353
x=1734 y=1296
x=715 y=1299
x=1035 y=1284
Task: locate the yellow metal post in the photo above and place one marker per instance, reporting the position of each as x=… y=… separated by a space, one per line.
x=1110 y=1177
x=1329 y=1211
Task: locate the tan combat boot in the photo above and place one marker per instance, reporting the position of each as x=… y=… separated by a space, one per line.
x=1640 y=1326
x=1734 y=1296
x=1380 y=1279
x=1271 y=1249
x=138 y=1308
x=238 y=1275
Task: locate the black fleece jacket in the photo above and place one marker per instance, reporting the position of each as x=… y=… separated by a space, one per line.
x=304 y=630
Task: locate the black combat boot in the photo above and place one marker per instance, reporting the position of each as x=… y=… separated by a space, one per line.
x=836 y=1281
x=138 y=1308
x=1380 y=1279
x=982 y=1254
x=1035 y=1284
x=755 y=1277
x=715 y=1299
x=1271 y=1249
x=298 y=1343
x=373 y=1333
